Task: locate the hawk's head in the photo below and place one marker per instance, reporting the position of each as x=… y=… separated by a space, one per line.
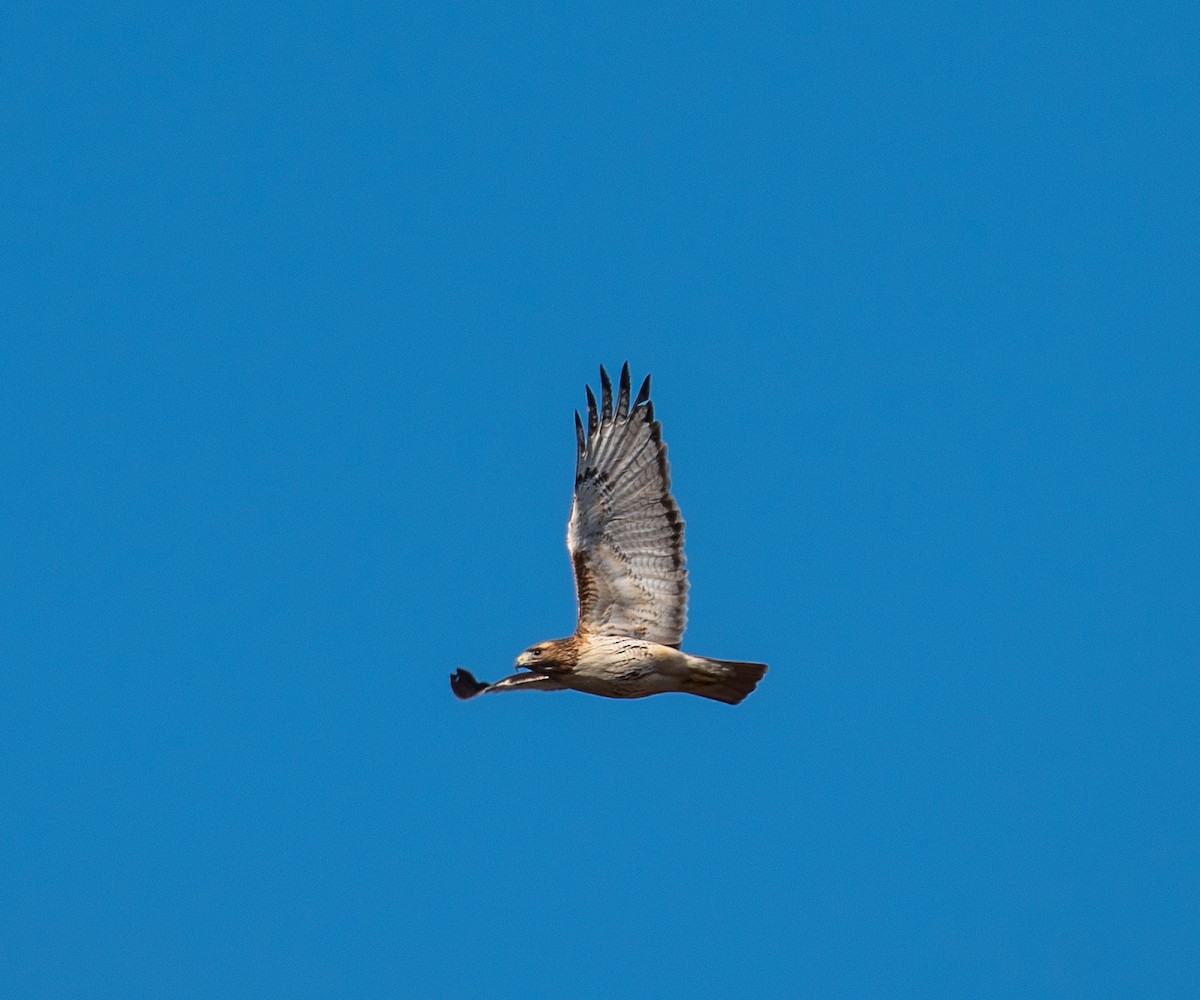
x=553 y=657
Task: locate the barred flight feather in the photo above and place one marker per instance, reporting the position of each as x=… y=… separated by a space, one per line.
x=625 y=534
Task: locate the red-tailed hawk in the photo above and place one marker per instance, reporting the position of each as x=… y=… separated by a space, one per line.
x=625 y=537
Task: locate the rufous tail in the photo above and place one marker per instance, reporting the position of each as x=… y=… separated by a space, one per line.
x=724 y=680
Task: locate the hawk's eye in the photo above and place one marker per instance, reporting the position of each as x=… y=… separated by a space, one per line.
x=536 y=652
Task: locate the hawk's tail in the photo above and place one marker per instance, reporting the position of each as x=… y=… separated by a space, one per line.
x=724 y=680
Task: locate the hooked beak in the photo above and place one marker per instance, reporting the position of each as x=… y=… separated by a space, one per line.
x=527 y=662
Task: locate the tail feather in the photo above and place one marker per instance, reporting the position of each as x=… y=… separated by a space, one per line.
x=724 y=680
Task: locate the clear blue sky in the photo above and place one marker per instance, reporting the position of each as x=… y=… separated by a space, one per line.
x=297 y=306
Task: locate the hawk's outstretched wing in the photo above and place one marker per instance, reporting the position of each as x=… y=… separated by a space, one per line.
x=625 y=535
x=464 y=685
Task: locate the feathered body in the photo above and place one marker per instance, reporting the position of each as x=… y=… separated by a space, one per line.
x=625 y=538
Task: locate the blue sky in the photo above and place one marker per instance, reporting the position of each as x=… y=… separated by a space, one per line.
x=298 y=305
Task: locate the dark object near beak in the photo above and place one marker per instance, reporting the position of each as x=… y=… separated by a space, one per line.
x=464 y=685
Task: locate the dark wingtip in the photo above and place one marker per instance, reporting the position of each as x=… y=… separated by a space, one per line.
x=643 y=393
x=593 y=420
x=605 y=394
x=580 y=444
x=464 y=685
x=623 y=392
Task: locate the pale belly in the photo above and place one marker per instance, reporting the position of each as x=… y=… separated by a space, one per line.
x=627 y=668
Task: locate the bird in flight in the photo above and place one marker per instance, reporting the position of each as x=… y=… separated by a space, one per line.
x=625 y=537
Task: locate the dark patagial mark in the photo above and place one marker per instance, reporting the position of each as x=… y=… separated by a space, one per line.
x=586 y=591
